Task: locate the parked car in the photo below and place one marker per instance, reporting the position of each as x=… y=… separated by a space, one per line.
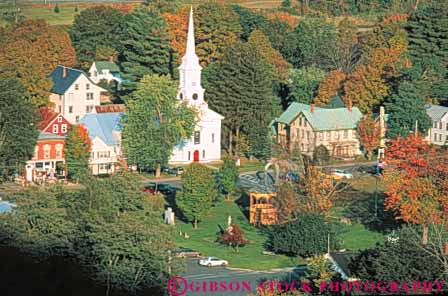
x=341 y=174
x=213 y=261
x=175 y=171
x=368 y=169
x=186 y=253
x=165 y=188
x=151 y=188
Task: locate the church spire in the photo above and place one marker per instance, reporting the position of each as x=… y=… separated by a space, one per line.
x=190 y=39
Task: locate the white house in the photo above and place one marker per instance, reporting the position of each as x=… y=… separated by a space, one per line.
x=438 y=133
x=73 y=94
x=205 y=144
x=105 y=70
x=105 y=133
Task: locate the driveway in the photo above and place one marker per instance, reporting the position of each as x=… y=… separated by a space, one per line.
x=198 y=275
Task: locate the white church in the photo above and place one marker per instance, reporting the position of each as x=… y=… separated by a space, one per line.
x=205 y=144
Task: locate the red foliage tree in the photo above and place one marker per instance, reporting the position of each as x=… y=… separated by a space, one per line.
x=369 y=133
x=233 y=236
x=416 y=180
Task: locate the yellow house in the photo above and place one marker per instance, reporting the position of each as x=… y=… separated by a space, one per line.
x=309 y=127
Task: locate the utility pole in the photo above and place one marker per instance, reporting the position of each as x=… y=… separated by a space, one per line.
x=416 y=128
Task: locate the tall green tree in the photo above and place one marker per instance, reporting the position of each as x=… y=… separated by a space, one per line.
x=144 y=47
x=427 y=31
x=216 y=28
x=303 y=84
x=250 y=20
x=163 y=6
x=198 y=192
x=95 y=27
x=241 y=75
x=77 y=152
x=406 y=108
x=18 y=132
x=311 y=43
x=228 y=176
x=155 y=122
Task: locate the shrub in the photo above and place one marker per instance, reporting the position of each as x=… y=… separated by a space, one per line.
x=56 y=9
x=233 y=236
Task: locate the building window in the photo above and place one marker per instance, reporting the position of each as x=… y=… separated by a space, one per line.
x=447 y=126
x=345 y=134
x=435 y=137
x=89 y=96
x=446 y=139
x=46 y=151
x=328 y=136
x=181 y=96
x=297 y=132
x=59 y=118
x=95 y=73
x=304 y=122
x=195 y=97
x=189 y=155
x=440 y=137
x=307 y=135
x=434 y=125
x=321 y=136
x=197 y=137
x=103 y=154
x=70 y=109
x=60 y=109
x=59 y=151
x=55 y=129
x=203 y=154
x=303 y=134
x=76 y=86
x=92 y=155
x=440 y=125
x=300 y=121
x=63 y=128
x=87 y=86
x=77 y=118
x=89 y=108
x=104 y=166
x=213 y=138
x=36 y=151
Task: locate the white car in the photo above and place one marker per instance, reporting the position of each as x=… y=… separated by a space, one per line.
x=213 y=261
x=341 y=174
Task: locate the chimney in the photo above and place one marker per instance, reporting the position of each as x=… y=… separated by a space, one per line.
x=111 y=59
x=349 y=105
x=64 y=72
x=312 y=108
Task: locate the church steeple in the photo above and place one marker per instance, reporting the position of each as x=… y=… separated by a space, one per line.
x=190 y=88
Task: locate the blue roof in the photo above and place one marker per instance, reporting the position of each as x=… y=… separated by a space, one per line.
x=102 y=125
x=61 y=84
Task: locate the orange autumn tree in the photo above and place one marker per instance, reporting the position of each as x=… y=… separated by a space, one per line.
x=178 y=28
x=77 y=151
x=415 y=178
x=31 y=50
x=369 y=134
x=329 y=87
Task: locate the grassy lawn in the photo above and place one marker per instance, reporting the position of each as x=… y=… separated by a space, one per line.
x=357 y=237
x=248 y=166
x=250 y=256
x=64 y=17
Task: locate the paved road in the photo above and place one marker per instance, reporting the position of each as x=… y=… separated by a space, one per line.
x=198 y=276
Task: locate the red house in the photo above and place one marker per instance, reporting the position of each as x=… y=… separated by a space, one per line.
x=48 y=160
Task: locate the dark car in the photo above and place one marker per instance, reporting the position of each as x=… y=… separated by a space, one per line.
x=368 y=169
x=186 y=253
x=151 y=188
x=165 y=188
x=176 y=171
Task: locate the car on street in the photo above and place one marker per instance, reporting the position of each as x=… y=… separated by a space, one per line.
x=164 y=188
x=150 y=188
x=213 y=261
x=368 y=169
x=339 y=174
x=186 y=253
x=175 y=171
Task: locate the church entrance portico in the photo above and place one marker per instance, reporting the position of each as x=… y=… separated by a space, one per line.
x=196 y=156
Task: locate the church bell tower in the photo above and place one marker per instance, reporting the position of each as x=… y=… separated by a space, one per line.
x=190 y=89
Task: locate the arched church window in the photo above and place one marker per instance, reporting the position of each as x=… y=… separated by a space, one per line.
x=195 y=96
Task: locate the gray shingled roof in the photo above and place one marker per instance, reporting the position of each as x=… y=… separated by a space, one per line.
x=436 y=112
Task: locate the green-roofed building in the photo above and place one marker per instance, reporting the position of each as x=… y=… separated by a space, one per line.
x=309 y=126
x=105 y=70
